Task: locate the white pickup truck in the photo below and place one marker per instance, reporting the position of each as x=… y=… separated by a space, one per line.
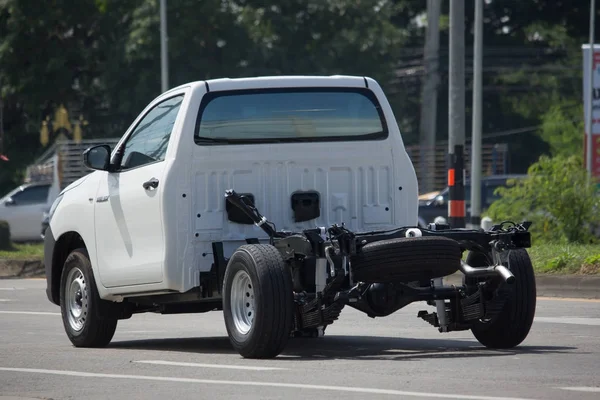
x=171 y=221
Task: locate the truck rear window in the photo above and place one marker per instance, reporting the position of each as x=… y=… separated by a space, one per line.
x=282 y=115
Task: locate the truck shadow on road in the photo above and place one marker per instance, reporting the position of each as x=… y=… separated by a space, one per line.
x=349 y=347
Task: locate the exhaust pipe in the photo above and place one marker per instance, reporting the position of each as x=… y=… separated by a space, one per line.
x=498 y=270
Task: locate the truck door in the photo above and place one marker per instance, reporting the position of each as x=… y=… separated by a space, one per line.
x=130 y=237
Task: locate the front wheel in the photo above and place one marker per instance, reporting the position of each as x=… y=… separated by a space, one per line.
x=80 y=304
x=513 y=321
x=258 y=302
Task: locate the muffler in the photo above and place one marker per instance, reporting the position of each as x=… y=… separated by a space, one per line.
x=493 y=270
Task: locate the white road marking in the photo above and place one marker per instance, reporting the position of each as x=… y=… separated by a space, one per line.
x=138 y=332
x=12 y=288
x=29 y=312
x=4 y=300
x=224 y=366
x=582 y=389
x=259 y=384
x=569 y=320
x=579 y=300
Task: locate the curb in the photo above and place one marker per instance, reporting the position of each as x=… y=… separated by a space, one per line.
x=20 y=269
x=548 y=285
x=574 y=286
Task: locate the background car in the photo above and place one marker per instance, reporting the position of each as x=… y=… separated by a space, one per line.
x=435 y=204
x=23 y=208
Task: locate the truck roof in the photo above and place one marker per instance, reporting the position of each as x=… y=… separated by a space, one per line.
x=281 y=81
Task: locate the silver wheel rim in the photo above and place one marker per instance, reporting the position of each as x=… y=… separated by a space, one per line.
x=76 y=299
x=242 y=302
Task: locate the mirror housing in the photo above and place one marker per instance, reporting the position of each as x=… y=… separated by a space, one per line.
x=9 y=202
x=97 y=157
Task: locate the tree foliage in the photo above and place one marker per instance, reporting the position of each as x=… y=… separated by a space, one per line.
x=52 y=53
x=562 y=127
x=556 y=196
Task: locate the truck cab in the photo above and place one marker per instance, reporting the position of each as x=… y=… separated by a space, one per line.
x=310 y=151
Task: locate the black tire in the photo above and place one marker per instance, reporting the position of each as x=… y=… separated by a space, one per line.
x=511 y=325
x=268 y=332
x=406 y=259
x=97 y=330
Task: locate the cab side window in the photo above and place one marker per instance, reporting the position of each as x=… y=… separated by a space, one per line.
x=31 y=195
x=149 y=140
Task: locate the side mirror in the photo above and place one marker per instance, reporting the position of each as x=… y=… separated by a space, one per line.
x=439 y=201
x=10 y=202
x=97 y=157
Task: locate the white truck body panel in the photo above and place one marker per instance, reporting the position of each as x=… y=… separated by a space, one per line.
x=143 y=242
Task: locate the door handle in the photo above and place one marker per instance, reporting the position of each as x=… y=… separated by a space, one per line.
x=151 y=184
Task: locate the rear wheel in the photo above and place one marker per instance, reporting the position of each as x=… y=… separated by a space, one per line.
x=80 y=304
x=511 y=325
x=258 y=302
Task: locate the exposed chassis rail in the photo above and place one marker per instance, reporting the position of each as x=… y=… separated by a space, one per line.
x=496 y=239
x=332 y=248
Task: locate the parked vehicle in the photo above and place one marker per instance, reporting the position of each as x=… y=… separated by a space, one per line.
x=22 y=208
x=172 y=221
x=434 y=205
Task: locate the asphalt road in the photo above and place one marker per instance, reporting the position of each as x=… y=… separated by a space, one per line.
x=189 y=356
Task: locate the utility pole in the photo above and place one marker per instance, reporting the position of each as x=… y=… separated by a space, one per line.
x=429 y=96
x=456 y=117
x=164 y=62
x=476 y=132
x=590 y=105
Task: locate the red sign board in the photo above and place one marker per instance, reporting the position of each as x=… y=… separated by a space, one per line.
x=595 y=155
x=591 y=89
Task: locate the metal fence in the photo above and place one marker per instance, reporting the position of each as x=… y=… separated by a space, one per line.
x=70 y=161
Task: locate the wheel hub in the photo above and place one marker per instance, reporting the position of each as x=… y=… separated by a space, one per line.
x=76 y=299
x=242 y=302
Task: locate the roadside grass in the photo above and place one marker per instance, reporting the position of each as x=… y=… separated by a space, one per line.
x=23 y=251
x=547 y=258
x=552 y=258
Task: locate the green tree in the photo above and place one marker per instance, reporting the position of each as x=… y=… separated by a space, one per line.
x=52 y=53
x=237 y=38
x=562 y=128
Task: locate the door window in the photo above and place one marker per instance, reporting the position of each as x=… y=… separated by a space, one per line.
x=31 y=195
x=149 y=140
